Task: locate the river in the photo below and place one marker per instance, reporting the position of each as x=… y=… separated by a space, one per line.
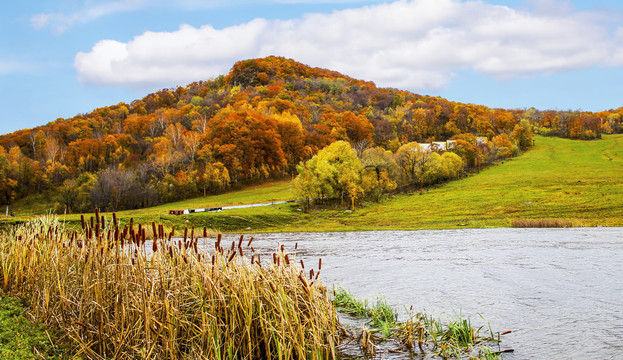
x=560 y=291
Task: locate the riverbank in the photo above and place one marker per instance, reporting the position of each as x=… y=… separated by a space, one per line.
x=568 y=181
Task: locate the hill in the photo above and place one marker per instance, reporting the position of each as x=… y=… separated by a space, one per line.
x=252 y=125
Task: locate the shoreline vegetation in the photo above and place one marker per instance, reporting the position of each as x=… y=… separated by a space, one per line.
x=559 y=182
x=106 y=294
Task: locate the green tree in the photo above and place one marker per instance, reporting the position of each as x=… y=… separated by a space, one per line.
x=335 y=172
x=380 y=172
x=453 y=164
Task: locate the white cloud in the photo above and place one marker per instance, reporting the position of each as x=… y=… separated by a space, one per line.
x=10 y=67
x=60 y=22
x=417 y=45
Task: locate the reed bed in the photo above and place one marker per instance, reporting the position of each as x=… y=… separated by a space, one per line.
x=542 y=223
x=118 y=298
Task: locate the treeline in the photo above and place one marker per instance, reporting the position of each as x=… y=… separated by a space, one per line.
x=341 y=171
x=257 y=123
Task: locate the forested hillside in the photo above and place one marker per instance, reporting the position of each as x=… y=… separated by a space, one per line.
x=256 y=123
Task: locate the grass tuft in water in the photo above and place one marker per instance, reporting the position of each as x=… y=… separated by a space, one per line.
x=420 y=334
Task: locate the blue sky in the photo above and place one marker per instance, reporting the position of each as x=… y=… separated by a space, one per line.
x=59 y=58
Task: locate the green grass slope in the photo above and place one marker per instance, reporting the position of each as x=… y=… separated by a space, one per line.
x=558 y=179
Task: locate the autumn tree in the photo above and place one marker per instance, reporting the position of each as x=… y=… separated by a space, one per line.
x=213 y=177
x=412 y=159
x=522 y=135
x=116 y=190
x=8 y=186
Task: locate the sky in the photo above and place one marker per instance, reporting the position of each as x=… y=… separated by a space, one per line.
x=60 y=58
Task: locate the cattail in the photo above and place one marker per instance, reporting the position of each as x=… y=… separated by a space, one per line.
x=240 y=250
x=97 y=215
x=287 y=259
x=185 y=233
x=296 y=245
x=114 y=219
x=171 y=251
x=303 y=280
x=192 y=232
x=153 y=227
x=154 y=245
x=311 y=274
x=250 y=241
x=205 y=232
x=213 y=260
x=272 y=287
x=240 y=241
x=231 y=257
x=82 y=221
x=274 y=258
x=282 y=247
x=319 y=264
x=302 y=264
x=233 y=245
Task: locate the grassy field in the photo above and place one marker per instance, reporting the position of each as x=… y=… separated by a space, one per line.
x=578 y=181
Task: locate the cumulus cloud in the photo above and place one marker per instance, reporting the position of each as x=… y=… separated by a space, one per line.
x=418 y=45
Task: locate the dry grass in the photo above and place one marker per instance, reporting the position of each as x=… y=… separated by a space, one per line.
x=118 y=299
x=542 y=223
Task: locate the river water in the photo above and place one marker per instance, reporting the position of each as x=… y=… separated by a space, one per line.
x=560 y=291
